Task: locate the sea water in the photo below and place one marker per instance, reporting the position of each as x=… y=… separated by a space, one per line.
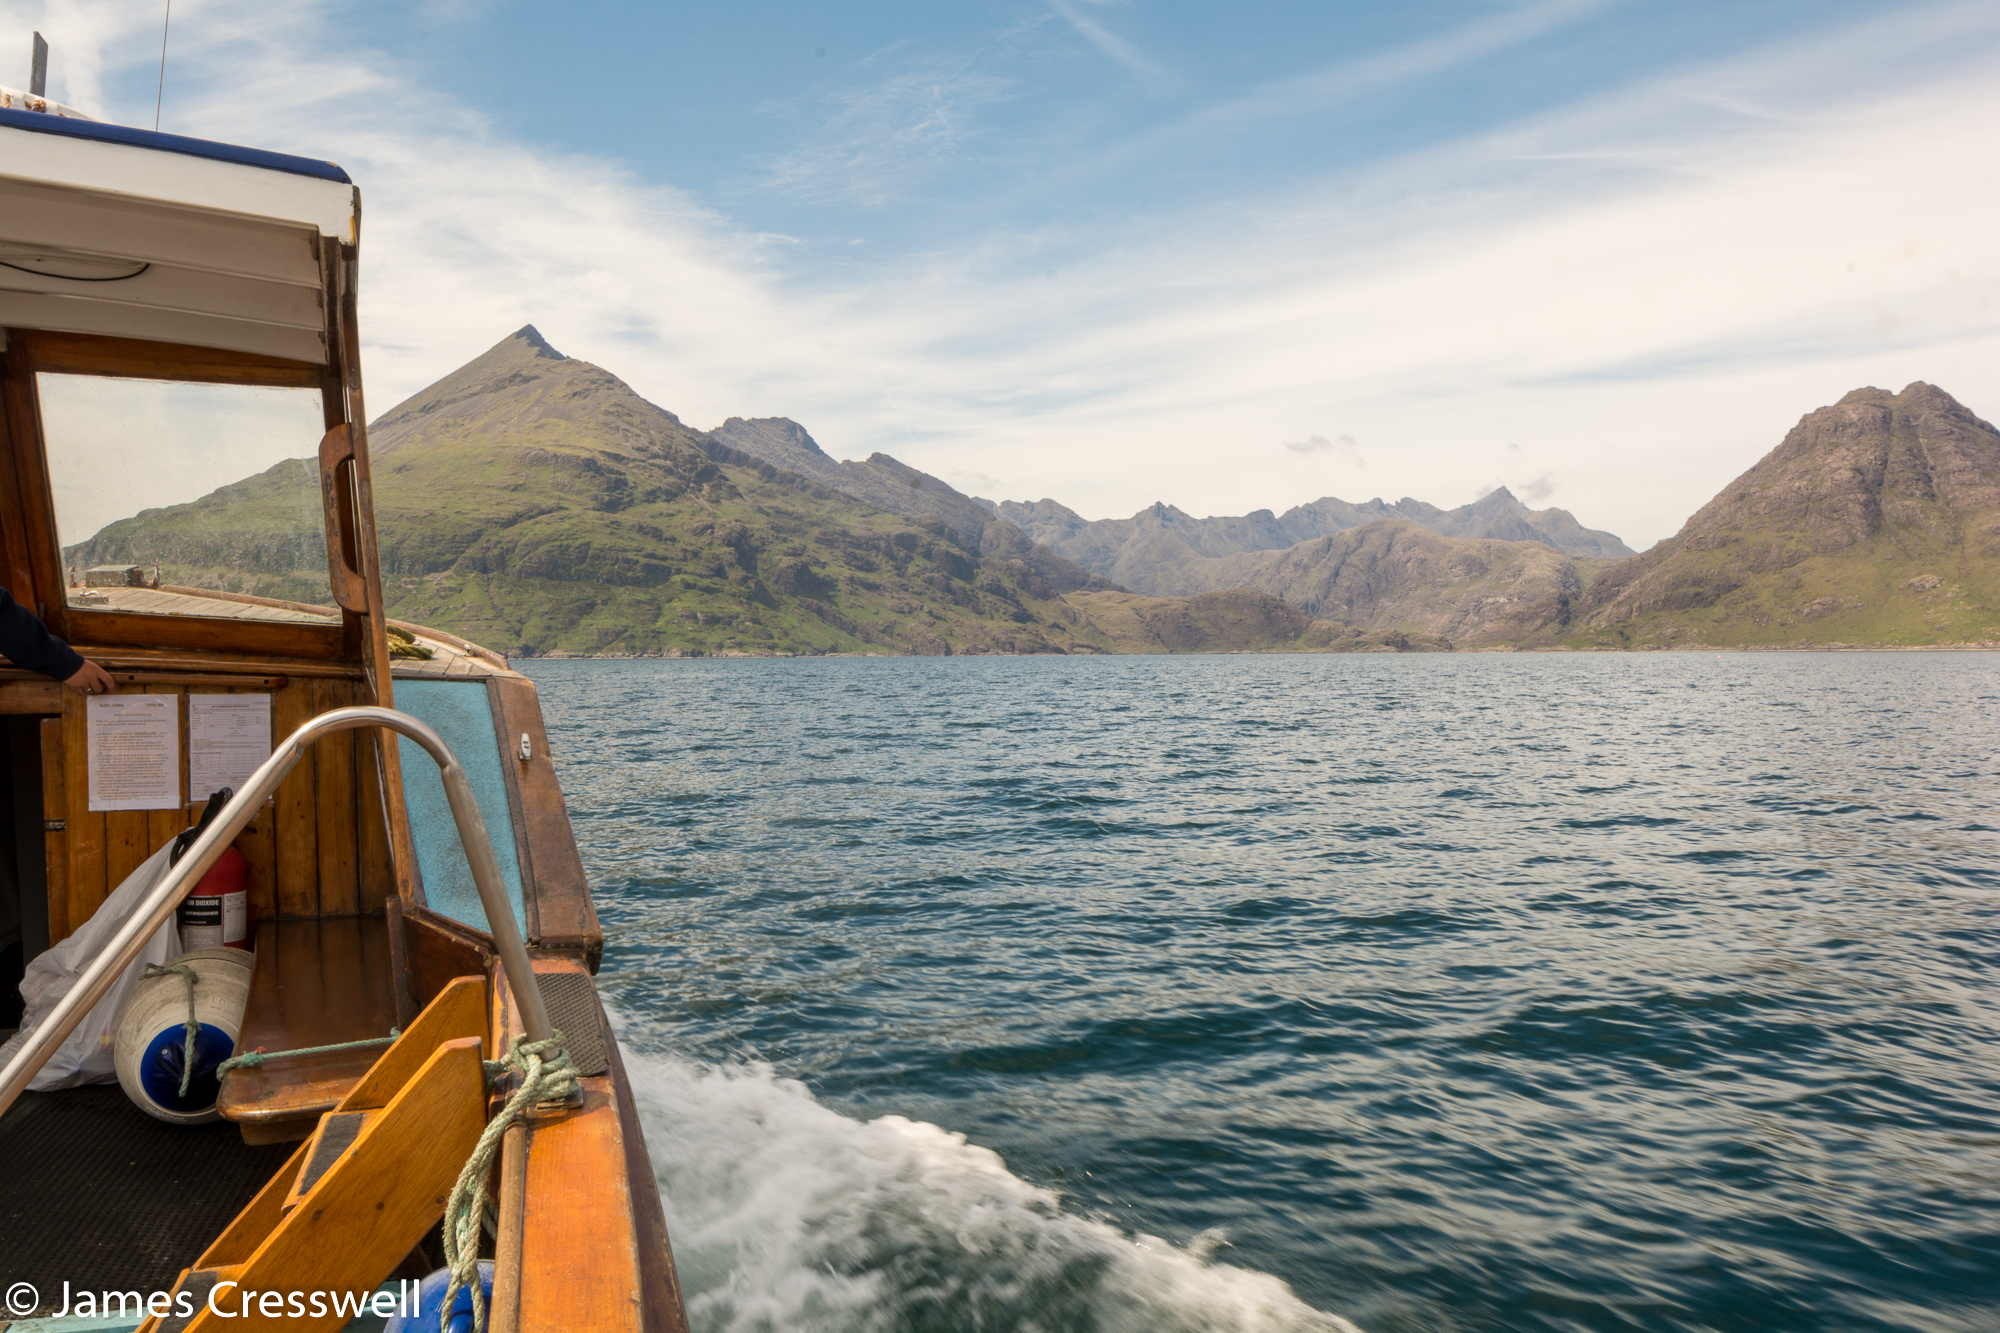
x=1536 y=992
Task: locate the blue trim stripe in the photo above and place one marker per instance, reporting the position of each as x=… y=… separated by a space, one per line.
x=42 y=122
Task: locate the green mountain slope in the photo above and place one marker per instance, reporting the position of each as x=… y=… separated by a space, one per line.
x=1875 y=522
x=262 y=535
x=537 y=504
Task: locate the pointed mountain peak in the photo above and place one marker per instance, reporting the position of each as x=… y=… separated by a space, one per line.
x=1498 y=493
x=531 y=337
x=519 y=378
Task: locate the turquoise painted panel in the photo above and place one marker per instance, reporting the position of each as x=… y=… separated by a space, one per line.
x=460 y=712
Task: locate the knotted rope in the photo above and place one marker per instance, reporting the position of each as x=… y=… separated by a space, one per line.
x=547 y=1075
x=193 y=1024
x=251 y=1059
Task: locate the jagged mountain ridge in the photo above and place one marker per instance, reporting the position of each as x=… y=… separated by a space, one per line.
x=1468 y=592
x=882 y=481
x=890 y=485
x=1158 y=552
x=535 y=502
x=1153 y=551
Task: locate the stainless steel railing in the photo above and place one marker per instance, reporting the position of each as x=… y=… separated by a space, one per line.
x=126 y=945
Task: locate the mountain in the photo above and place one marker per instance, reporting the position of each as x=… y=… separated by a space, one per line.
x=1467 y=592
x=535 y=503
x=897 y=488
x=1154 y=551
x=271 y=522
x=1236 y=620
x=881 y=481
x=1875 y=521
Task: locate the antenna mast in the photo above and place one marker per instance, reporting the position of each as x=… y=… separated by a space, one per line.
x=162 y=91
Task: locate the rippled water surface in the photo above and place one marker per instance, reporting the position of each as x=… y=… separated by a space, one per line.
x=1263 y=993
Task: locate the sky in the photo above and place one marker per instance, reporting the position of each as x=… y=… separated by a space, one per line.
x=1114 y=252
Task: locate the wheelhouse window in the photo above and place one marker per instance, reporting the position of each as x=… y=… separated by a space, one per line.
x=167 y=493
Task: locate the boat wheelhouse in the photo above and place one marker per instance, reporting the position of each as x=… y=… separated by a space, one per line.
x=178 y=338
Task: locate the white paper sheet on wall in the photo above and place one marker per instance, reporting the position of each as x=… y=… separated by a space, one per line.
x=228 y=736
x=135 y=751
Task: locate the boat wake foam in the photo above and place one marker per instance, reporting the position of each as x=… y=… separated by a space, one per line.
x=786 y=1214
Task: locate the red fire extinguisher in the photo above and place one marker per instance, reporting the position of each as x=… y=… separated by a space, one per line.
x=216 y=913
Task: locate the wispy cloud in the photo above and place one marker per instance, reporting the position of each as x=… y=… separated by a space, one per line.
x=874 y=143
x=1341 y=446
x=1347 y=82
x=1437 y=305
x=1352 y=80
x=1110 y=43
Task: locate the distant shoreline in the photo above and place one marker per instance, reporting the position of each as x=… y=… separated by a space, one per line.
x=561 y=655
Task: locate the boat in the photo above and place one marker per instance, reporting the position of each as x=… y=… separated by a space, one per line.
x=421 y=1034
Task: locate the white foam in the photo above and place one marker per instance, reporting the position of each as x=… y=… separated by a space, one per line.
x=787 y=1215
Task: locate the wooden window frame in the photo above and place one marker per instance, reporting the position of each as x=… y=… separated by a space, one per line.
x=33 y=554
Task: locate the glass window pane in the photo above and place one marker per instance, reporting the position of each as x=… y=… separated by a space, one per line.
x=207 y=486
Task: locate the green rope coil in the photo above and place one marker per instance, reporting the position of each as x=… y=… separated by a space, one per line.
x=547 y=1074
x=193 y=1025
x=251 y=1059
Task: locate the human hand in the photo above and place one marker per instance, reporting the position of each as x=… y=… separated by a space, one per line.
x=91 y=678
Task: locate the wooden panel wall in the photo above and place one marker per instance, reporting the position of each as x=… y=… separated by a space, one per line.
x=318 y=848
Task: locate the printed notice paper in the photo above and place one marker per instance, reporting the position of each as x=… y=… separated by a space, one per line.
x=135 y=751
x=228 y=736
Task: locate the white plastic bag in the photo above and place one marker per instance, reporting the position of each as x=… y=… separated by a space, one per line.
x=86 y=1054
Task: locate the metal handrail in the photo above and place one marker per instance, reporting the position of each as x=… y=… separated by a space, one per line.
x=126 y=945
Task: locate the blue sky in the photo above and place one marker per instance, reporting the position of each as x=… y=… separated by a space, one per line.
x=914 y=125
x=1604 y=253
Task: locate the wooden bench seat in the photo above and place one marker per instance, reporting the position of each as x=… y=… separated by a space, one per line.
x=318 y=982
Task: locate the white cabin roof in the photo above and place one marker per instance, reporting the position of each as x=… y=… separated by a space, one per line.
x=135 y=234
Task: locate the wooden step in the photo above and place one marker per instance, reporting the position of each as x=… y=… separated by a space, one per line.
x=318 y=982
x=458 y=1011
x=354 y=1199
x=372 y=1205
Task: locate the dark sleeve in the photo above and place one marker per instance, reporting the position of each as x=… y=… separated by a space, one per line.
x=26 y=642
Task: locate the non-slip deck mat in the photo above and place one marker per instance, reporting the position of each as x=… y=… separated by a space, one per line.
x=571 y=999
x=95 y=1192
x=336 y=1135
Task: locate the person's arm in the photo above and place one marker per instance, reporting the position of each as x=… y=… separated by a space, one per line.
x=26 y=642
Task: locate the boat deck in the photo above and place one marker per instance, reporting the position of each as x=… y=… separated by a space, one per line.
x=161 y=602
x=104 y=1197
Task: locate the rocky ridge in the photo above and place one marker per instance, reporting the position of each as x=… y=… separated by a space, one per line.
x=536 y=503
x=1875 y=520
x=894 y=487
x=1158 y=550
